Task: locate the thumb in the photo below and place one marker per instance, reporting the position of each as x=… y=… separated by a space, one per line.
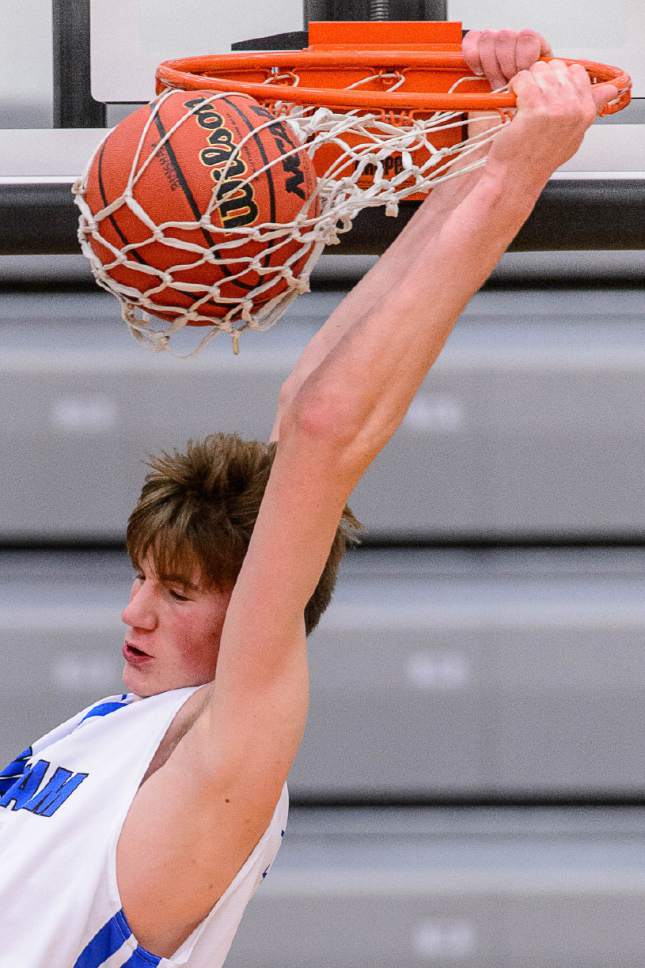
x=603 y=94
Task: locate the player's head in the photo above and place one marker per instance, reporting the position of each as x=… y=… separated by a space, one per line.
x=193 y=522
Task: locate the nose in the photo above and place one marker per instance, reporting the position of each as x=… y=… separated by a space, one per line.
x=140 y=611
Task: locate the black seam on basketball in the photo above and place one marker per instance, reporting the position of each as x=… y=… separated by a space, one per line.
x=111 y=218
x=246 y=287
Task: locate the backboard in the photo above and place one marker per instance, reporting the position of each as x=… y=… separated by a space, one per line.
x=106 y=53
x=130 y=37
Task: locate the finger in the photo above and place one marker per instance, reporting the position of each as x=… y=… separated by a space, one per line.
x=506 y=51
x=530 y=47
x=591 y=101
x=489 y=62
x=470 y=51
x=527 y=91
x=597 y=94
x=602 y=94
x=551 y=75
x=580 y=79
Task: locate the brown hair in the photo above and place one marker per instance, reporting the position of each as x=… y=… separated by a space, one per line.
x=201 y=507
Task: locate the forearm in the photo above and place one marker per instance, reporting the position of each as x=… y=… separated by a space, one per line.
x=386 y=274
x=397 y=340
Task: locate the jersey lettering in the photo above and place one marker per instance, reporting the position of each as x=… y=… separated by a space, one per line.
x=26 y=787
x=27 y=793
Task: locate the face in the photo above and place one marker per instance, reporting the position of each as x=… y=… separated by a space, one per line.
x=173 y=632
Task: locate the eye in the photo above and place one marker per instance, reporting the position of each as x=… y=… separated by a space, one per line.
x=178 y=597
x=138 y=577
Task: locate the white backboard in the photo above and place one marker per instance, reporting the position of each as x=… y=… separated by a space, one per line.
x=130 y=37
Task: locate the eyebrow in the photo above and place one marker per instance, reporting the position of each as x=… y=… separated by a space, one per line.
x=179 y=580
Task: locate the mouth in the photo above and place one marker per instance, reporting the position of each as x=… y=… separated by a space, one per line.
x=134 y=655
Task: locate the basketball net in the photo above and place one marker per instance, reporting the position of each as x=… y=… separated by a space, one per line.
x=360 y=145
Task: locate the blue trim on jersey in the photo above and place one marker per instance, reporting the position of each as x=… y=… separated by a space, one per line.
x=108 y=940
x=104 y=943
x=104 y=708
x=141 y=959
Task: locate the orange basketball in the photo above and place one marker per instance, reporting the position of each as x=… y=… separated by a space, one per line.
x=217 y=147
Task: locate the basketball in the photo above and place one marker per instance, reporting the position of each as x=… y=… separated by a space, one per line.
x=191 y=156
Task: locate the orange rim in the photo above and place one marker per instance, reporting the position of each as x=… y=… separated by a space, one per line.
x=226 y=72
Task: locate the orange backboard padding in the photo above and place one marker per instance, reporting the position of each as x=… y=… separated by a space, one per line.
x=378 y=34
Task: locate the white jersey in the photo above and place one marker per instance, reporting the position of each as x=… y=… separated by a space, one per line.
x=63 y=802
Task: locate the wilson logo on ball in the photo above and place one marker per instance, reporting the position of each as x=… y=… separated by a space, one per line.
x=290 y=162
x=236 y=203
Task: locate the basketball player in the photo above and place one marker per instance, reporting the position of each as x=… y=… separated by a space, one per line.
x=136 y=833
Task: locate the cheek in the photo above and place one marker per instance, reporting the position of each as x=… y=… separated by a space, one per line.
x=198 y=645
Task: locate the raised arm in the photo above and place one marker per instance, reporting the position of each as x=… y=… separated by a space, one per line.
x=499 y=56
x=397 y=341
x=198 y=816
x=349 y=406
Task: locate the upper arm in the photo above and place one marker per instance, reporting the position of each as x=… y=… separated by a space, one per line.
x=190 y=830
x=249 y=738
x=261 y=668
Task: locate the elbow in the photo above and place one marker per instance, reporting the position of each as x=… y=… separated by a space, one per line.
x=324 y=418
x=307 y=407
x=349 y=442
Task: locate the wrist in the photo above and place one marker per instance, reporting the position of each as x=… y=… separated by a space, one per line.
x=513 y=186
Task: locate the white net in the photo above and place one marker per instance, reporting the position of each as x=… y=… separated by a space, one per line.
x=363 y=160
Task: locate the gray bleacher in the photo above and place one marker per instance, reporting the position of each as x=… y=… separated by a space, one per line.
x=531 y=422
x=478 y=889
x=463 y=674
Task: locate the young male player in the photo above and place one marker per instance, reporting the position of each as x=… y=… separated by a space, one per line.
x=136 y=833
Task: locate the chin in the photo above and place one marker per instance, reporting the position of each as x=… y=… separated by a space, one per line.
x=144 y=686
x=137 y=683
